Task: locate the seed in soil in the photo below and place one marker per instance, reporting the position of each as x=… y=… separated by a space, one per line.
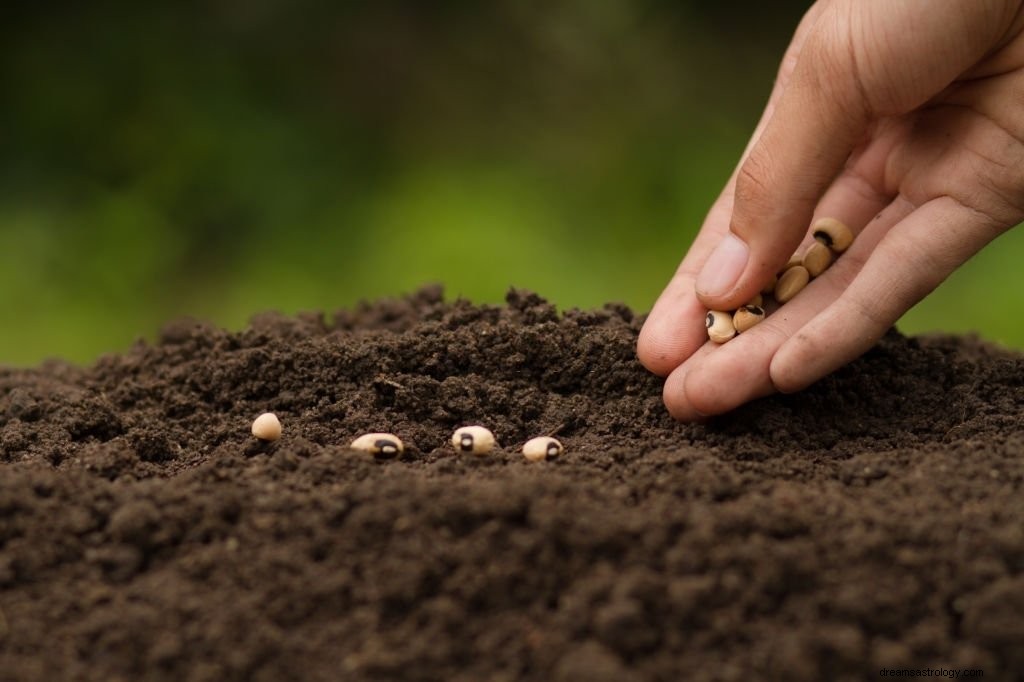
x=380 y=445
x=541 y=448
x=746 y=317
x=719 y=326
x=267 y=427
x=791 y=283
x=833 y=234
x=475 y=439
x=817 y=258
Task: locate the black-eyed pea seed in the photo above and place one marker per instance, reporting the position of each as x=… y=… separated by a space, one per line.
x=833 y=234
x=380 y=445
x=719 y=326
x=267 y=427
x=758 y=300
x=791 y=283
x=541 y=448
x=746 y=317
x=817 y=258
x=474 y=439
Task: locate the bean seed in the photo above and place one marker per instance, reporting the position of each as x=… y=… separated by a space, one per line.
x=746 y=317
x=267 y=427
x=719 y=326
x=794 y=260
x=541 y=448
x=791 y=283
x=380 y=445
x=474 y=439
x=833 y=234
x=817 y=259
x=758 y=300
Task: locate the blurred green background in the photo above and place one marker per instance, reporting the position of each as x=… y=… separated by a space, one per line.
x=221 y=158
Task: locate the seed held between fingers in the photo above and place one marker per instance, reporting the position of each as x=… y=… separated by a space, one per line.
x=817 y=258
x=719 y=326
x=541 y=448
x=758 y=300
x=380 y=445
x=267 y=427
x=475 y=439
x=746 y=317
x=791 y=283
x=833 y=234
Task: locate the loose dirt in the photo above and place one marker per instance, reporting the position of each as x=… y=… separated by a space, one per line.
x=873 y=521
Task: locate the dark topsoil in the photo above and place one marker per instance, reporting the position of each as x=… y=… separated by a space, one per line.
x=875 y=520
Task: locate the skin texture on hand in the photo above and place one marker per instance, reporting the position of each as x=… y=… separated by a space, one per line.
x=902 y=118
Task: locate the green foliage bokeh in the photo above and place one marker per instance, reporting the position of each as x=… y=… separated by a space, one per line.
x=220 y=159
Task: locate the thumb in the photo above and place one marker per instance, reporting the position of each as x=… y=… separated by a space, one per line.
x=818 y=120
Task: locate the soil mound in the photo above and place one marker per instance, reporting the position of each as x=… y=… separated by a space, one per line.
x=873 y=521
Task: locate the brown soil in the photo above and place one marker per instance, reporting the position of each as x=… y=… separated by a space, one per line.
x=875 y=520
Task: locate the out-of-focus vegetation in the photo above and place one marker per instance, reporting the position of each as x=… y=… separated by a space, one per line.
x=222 y=158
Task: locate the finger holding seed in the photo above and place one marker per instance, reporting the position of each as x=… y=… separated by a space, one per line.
x=719 y=324
x=542 y=448
x=267 y=427
x=380 y=445
x=477 y=440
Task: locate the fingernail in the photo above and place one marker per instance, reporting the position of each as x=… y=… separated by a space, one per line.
x=724 y=267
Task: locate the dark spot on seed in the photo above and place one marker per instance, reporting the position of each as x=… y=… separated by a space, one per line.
x=386 y=448
x=709 y=321
x=824 y=237
x=466 y=442
x=552 y=450
x=754 y=310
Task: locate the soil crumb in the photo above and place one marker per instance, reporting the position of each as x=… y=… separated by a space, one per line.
x=873 y=521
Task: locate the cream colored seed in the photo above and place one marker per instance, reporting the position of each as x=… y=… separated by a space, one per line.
x=267 y=427
x=541 y=448
x=758 y=300
x=791 y=283
x=475 y=439
x=817 y=259
x=833 y=234
x=380 y=445
x=794 y=260
x=746 y=317
x=719 y=326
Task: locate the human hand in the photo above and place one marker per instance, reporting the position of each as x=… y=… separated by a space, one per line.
x=904 y=120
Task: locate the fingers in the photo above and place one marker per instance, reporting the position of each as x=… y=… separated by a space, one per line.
x=914 y=257
x=674 y=328
x=861 y=60
x=717 y=379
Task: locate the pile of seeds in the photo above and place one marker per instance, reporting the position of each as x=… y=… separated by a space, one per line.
x=476 y=440
x=831 y=238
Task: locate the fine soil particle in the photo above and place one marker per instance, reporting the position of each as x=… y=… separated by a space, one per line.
x=874 y=520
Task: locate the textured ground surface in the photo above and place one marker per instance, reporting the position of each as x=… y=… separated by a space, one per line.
x=875 y=520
